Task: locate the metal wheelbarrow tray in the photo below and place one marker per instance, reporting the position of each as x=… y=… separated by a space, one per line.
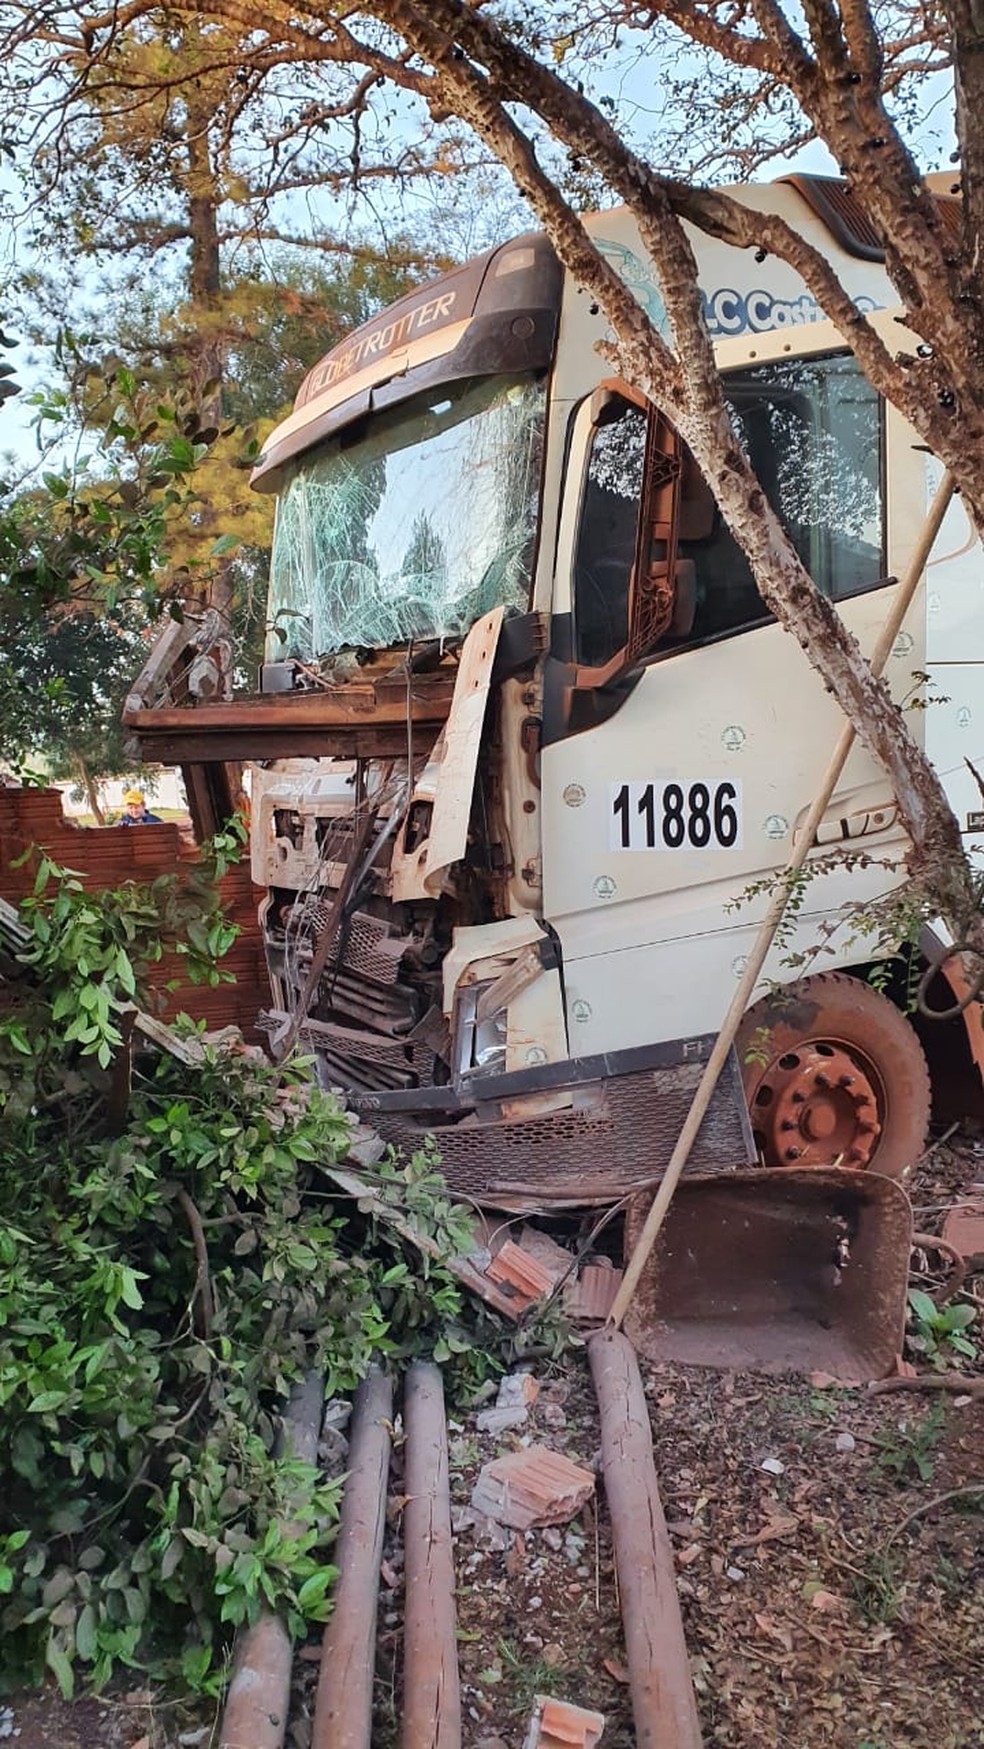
x=777 y=1271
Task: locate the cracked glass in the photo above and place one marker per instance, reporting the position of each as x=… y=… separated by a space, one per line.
x=410 y=524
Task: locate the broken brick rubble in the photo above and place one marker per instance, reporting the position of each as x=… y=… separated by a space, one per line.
x=964 y=1230
x=532 y=1487
x=526 y=1278
x=556 y=1724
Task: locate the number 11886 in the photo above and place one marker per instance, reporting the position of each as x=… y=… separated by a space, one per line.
x=671 y=815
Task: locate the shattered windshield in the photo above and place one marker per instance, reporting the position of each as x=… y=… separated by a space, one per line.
x=409 y=525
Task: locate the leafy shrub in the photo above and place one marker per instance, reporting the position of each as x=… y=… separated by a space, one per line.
x=161 y=1289
x=939 y=1332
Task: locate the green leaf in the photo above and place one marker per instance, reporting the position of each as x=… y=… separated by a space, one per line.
x=60 y=1667
x=923 y=1306
x=86 y=1634
x=314 y=1590
x=129 y=1292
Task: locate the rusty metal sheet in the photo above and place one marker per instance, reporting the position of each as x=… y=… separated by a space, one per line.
x=456 y=779
x=778 y=1271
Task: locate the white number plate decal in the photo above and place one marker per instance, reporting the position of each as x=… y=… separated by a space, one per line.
x=673 y=815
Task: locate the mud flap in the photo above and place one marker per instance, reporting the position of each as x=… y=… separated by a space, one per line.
x=777 y=1271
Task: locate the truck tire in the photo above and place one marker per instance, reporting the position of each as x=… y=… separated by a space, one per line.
x=834 y=1075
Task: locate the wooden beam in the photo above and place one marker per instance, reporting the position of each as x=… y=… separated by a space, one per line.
x=431 y=1690
x=259 y=1694
x=663 y=1704
x=343 y=1709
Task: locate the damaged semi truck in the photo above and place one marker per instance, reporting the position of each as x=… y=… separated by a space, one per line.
x=526 y=738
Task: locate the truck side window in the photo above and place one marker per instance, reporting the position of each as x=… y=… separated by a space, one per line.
x=812 y=428
x=606 y=540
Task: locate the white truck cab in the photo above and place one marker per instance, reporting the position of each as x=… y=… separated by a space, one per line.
x=518 y=670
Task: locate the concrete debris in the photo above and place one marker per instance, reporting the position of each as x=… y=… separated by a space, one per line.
x=518 y=1388
x=556 y=1724
x=338 y=1413
x=554 y=1258
x=523 y=1276
x=366 y=1147
x=573 y=1547
x=500 y=1418
x=518 y=1391
x=557 y=1391
x=489 y=1534
x=333 y=1450
x=772 y=1466
x=964 y=1230
x=552 y=1415
x=532 y=1487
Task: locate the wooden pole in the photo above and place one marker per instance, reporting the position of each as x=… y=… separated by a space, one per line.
x=663 y=1703
x=343 y=1709
x=255 y=1715
x=777 y=905
x=431 y=1693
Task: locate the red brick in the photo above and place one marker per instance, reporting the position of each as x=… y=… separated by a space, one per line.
x=532 y=1487
x=964 y=1230
x=556 y=1724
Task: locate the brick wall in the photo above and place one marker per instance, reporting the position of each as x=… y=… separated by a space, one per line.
x=107 y=856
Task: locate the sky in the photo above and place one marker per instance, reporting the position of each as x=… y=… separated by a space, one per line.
x=628 y=81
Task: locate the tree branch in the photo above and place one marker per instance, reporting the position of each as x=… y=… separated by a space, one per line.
x=203 y=1282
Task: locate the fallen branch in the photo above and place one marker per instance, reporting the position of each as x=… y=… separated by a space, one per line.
x=939 y=1143
x=461 y=1268
x=958 y=1274
x=928 y=1505
x=971 y=1386
x=203 y=1282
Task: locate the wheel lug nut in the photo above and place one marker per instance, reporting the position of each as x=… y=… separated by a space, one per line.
x=792 y=1153
x=798 y=1098
x=787 y=1124
x=845 y=1081
x=821 y=1080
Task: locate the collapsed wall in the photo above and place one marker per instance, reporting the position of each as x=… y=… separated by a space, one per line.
x=107 y=856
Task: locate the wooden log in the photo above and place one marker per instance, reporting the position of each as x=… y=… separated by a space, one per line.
x=431 y=1692
x=343 y=1708
x=257 y=1704
x=663 y=1704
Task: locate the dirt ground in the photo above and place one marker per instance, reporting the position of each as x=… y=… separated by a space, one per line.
x=830 y=1567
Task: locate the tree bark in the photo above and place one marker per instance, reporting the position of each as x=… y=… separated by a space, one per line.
x=687 y=385
x=91 y=790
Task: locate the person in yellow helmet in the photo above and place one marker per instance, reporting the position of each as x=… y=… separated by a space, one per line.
x=136 y=810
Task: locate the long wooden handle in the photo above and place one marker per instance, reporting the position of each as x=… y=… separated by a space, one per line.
x=770 y=923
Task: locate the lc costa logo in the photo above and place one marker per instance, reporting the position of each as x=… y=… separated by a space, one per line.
x=757 y=312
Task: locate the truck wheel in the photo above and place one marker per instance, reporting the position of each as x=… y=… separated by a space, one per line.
x=834 y=1076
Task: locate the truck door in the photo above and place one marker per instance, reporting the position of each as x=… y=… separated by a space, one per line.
x=681 y=750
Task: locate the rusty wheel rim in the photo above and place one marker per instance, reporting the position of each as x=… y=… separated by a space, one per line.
x=818 y=1104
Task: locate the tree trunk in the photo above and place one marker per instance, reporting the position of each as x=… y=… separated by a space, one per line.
x=205 y=274
x=91 y=790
